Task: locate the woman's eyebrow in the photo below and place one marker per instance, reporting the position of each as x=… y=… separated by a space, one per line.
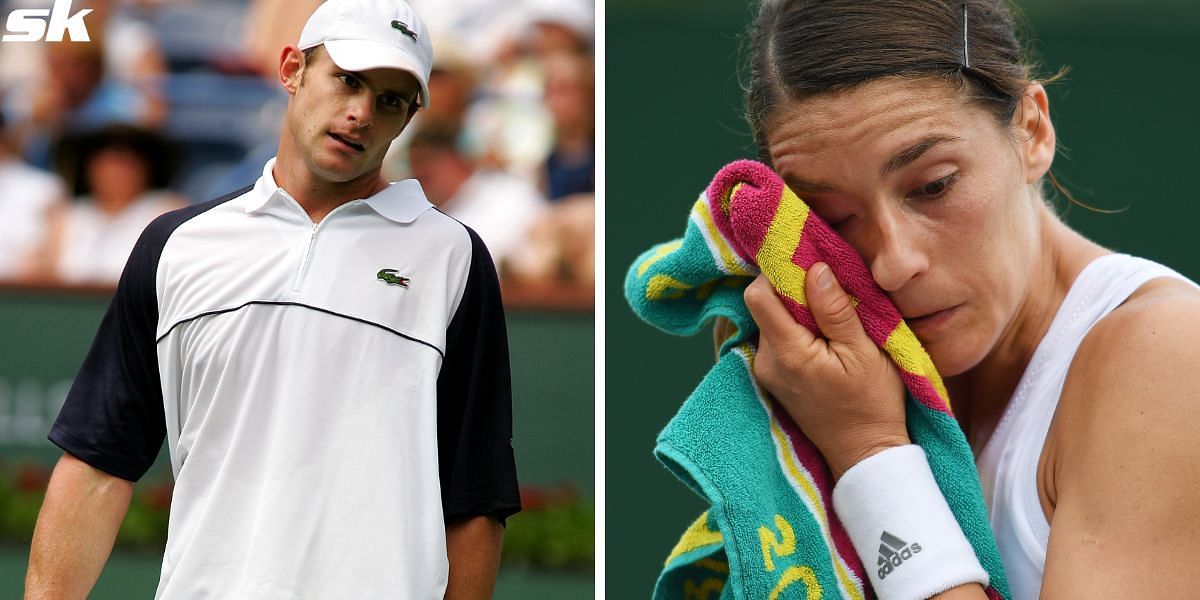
x=897 y=162
x=803 y=186
x=913 y=152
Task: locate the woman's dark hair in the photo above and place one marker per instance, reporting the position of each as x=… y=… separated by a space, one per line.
x=803 y=48
x=75 y=150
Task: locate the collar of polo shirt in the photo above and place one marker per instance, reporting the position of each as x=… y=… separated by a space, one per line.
x=402 y=201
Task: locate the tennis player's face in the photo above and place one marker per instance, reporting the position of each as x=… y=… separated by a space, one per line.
x=939 y=199
x=344 y=121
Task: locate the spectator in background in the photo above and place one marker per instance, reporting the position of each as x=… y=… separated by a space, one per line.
x=570 y=97
x=497 y=205
x=509 y=126
x=475 y=28
x=120 y=176
x=452 y=81
x=27 y=197
x=560 y=26
x=132 y=54
x=72 y=94
x=560 y=245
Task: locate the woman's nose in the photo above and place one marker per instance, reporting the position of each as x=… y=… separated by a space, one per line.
x=894 y=253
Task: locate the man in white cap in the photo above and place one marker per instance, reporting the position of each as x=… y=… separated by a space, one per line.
x=324 y=354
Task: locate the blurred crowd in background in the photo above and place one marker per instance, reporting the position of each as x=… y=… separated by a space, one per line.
x=178 y=101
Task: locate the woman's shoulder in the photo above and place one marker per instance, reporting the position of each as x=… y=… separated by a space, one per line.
x=1157 y=318
x=1123 y=437
x=1156 y=322
x=1121 y=452
x=1135 y=374
x=1154 y=331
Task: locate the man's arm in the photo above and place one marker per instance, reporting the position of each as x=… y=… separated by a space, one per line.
x=478 y=470
x=75 y=530
x=473 y=545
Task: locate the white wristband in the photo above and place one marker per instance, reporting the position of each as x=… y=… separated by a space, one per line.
x=902 y=528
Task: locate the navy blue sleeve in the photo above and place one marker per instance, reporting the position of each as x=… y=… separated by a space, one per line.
x=113 y=416
x=478 y=471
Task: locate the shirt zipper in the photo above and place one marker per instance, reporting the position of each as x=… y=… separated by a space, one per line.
x=312 y=237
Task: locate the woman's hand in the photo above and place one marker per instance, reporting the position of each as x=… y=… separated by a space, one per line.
x=843 y=391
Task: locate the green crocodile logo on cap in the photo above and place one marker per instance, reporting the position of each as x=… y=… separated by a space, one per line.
x=404 y=29
x=389 y=277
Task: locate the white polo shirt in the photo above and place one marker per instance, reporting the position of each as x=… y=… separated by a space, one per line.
x=331 y=394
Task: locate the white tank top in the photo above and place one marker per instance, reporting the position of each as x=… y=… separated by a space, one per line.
x=1008 y=463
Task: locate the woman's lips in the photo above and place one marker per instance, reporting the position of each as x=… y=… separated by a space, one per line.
x=931 y=322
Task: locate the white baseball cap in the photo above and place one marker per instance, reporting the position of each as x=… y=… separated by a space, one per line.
x=372 y=34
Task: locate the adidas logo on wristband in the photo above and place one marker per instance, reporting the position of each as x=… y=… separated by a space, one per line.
x=893 y=551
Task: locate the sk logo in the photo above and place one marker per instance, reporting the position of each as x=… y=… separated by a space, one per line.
x=34 y=24
x=389 y=277
x=405 y=30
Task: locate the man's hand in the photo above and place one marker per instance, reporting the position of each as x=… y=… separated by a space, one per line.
x=473 y=546
x=842 y=390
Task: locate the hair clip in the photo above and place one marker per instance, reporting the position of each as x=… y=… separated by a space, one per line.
x=966 y=47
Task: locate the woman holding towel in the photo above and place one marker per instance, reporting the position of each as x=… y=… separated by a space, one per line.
x=916 y=129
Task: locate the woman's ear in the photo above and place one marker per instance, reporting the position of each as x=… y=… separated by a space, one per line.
x=291 y=67
x=1036 y=133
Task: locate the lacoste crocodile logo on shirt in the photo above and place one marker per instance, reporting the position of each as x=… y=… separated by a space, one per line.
x=404 y=29
x=389 y=277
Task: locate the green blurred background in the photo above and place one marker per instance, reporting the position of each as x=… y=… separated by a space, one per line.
x=1127 y=113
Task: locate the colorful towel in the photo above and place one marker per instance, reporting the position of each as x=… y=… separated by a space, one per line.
x=770 y=531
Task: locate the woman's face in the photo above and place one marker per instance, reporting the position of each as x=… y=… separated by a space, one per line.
x=118 y=175
x=939 y=199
